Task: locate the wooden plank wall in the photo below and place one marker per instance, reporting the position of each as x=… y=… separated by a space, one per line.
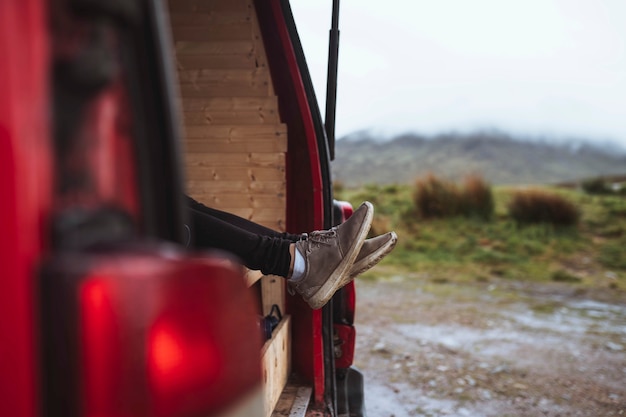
x=235 y=143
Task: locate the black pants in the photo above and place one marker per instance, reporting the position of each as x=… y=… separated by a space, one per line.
x=258 y=247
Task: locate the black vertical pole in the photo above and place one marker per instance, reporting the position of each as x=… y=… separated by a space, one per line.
x=331 y=86
x=329 y=125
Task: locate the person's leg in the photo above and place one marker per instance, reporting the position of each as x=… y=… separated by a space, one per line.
x=268 y=254
x=240 y=222
x=326 y=257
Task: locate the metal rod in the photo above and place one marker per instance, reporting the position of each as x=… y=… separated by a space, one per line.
x=331 y=81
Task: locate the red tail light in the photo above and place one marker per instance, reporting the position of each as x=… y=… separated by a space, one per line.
x=155 y=335
x=181 y=359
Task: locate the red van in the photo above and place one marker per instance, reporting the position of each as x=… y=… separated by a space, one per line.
x=112 y=110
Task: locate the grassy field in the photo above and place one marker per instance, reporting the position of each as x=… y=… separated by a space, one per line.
x=588 y=255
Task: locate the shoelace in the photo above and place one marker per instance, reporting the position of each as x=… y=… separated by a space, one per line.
x=322 y=237
x=315 y=240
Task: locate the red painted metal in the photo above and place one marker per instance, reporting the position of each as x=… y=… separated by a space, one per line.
x=349 y=297
x=305 y=115
x=106 y=153
x=25 y=179
x=100 y=152
x=349 y=291
x=347 y=336
x=345 y=332
x=26 y=186
x=346 y=209
x=305 y=198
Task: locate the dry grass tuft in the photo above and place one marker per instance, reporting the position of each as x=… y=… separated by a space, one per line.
x=537 y=206
x=437 y=198
x=477 y=198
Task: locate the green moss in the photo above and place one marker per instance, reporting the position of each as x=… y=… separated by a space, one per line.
x=564 y=276
x=613 y=254
x=470 y=250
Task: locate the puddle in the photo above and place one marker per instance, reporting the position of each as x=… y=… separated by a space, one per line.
x=444 y=354
x=598 y=306
x=403 y=400
x=575 y=317
x=492 y=342
x=566 y=327
x=608 y=317
x=381 y=400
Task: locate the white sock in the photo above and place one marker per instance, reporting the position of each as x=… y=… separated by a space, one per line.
x=298 y=266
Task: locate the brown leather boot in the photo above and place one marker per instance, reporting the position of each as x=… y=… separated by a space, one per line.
x=329 y=255
x=372 y=252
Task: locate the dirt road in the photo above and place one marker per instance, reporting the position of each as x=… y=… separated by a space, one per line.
x=490 y=349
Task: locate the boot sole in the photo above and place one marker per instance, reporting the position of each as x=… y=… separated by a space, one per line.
x=336 y=280
x=375 y=257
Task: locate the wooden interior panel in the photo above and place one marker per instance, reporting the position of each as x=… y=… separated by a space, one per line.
x=224 y=145
x=215 y=31
x=208 y=49
x=226 y=187
x=207 y=76
x=210 y=6
x=217 y=61
x=229 y=103
x=234 y=141
x=252 y=160
x=275 y=363
x=182 y=19
x=216 y=117
x=240 y=133
x=273 y=293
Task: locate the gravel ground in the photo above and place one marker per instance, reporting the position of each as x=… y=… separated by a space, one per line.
x=501 y=349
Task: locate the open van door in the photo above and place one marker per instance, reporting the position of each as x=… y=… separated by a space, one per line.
x=113 y=111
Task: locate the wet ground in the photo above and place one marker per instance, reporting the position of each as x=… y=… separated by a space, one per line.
x=490 y=349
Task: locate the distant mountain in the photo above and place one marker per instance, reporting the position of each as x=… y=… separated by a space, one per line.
x=501 y=159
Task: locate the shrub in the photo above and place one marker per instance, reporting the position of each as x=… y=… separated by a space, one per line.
x=535 y=206
x=596 y=186
x=380 y=225
x=435 y=197
x=477 y=198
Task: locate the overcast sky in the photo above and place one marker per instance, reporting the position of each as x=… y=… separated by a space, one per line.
x=538 y=67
